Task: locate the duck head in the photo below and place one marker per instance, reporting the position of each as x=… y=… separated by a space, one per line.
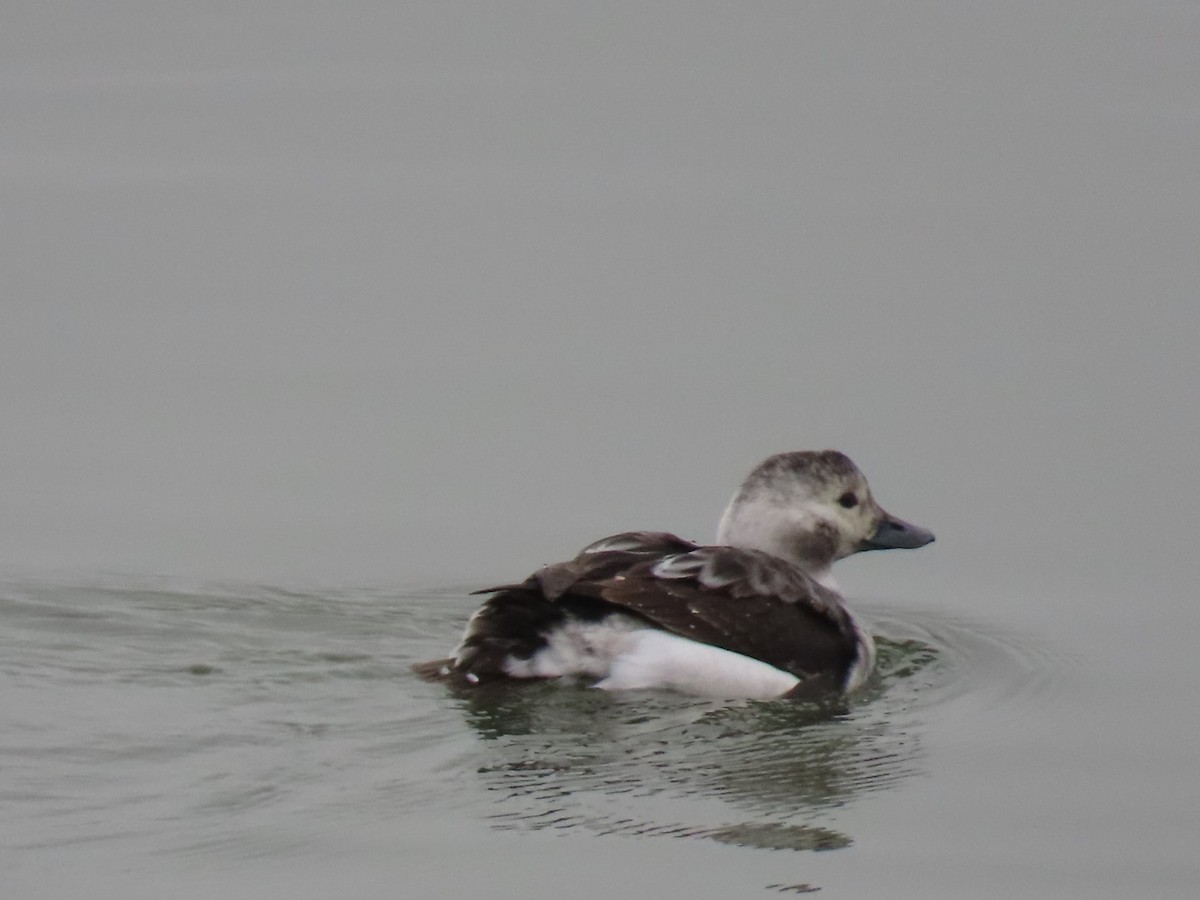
x=813 y=508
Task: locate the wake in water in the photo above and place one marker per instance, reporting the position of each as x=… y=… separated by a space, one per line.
x=234 y=722
x=573 y=759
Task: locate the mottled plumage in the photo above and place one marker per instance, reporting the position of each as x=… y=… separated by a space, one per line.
x=763 y=596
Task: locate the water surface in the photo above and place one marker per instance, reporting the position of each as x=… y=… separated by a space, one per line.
x=161 y=737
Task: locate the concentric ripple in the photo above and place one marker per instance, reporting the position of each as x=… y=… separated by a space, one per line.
x=218 y=720
x=766 y=774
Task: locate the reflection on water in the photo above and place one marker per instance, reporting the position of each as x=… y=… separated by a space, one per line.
x=571 y=758
x=250 y=723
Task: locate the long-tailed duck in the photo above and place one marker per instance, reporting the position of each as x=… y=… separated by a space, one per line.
x=756 y=615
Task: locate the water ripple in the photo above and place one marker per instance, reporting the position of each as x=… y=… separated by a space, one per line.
x=209 y=720
x=574 y=759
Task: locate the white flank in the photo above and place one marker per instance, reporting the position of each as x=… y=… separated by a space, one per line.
x=656 y=659
x=577 y=648
x=626 y=655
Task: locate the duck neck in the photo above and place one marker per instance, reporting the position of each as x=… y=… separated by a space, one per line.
x=824 y=577
x=808 y=545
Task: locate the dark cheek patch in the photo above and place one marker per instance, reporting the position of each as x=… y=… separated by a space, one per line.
x=818 y=545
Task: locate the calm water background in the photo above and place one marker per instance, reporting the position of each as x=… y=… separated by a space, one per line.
x=317 y=317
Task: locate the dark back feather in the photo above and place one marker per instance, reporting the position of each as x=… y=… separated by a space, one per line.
x=744 y=601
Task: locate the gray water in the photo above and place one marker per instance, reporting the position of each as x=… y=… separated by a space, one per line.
x=164 y=739
x=314 y=319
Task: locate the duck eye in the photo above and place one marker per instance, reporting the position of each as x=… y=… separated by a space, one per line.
x=848 y=500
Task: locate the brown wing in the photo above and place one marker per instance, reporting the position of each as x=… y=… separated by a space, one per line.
x=515 y=620
x=598 y=561
x=744 y=601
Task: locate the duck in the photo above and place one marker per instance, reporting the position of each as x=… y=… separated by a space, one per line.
x=756 y=615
